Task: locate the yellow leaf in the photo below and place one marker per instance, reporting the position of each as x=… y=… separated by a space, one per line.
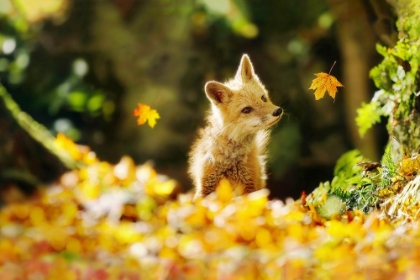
x=409 y=165
x=125 y=170
x=69 y=213
x=89 y=190
x=21 y=211
x=325 y=82
x=257 y=201
x=153 y=116
x=74 y=245
x=37 y=216
x=56 y=237
x=262 y=237
x=145 y=113
x=66 y=144
x=165 y=188
x=247 y=230
x=224 y=190
x=168 y=253
x=126 y=233
x=76 y=152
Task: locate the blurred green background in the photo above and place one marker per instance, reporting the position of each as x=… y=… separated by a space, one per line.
x=81 y=66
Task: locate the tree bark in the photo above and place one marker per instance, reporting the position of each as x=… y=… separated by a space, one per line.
x=357 y=45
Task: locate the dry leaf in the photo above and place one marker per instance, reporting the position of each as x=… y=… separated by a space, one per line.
x=123 y=222
x=325 y=82
x=145 y=113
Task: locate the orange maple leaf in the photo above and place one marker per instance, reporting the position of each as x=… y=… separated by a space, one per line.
x=325 y=82
x=145 y=113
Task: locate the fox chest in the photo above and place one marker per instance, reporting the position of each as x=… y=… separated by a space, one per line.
x=237 y=166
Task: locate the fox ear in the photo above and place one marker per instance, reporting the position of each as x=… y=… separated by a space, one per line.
x=217 y=92
x=245 y=70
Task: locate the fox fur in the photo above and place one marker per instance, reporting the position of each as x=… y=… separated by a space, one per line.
x=233 y=143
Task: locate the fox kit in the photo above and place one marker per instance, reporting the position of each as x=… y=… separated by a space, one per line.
x=233 y=143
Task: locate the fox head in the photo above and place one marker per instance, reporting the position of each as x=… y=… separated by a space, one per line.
x=242 y=105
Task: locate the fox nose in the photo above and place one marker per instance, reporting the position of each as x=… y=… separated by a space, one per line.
x=277 y=112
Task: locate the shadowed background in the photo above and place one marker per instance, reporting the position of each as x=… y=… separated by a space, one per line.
x=81 y=66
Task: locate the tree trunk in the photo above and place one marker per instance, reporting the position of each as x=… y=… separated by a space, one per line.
x=357 y=45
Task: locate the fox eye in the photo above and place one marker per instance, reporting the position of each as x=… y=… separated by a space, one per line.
x=263 y=98
x=247 y=110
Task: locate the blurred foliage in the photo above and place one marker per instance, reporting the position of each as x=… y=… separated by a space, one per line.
x=236 y=13
x=106 y=221
x=80 y=66
x=25 y=69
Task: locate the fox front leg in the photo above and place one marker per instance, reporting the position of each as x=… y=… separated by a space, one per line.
x=211 y=178
x=246 y=179
x=249 y=188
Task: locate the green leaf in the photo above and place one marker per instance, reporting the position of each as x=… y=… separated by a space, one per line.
x=389 y=168
x=367 y=116
x=382 y=50
x=95 y=102
x=347 y=162
x=77 y=100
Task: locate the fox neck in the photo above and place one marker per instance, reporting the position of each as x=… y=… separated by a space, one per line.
x=233 y=134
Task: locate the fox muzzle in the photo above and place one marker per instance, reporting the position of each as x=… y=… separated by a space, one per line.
x=277 y=112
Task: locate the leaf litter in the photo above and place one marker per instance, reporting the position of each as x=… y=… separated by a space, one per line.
x=123 y=221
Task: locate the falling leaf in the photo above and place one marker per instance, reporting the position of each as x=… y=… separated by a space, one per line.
x=145 y=113
x=325 y=82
